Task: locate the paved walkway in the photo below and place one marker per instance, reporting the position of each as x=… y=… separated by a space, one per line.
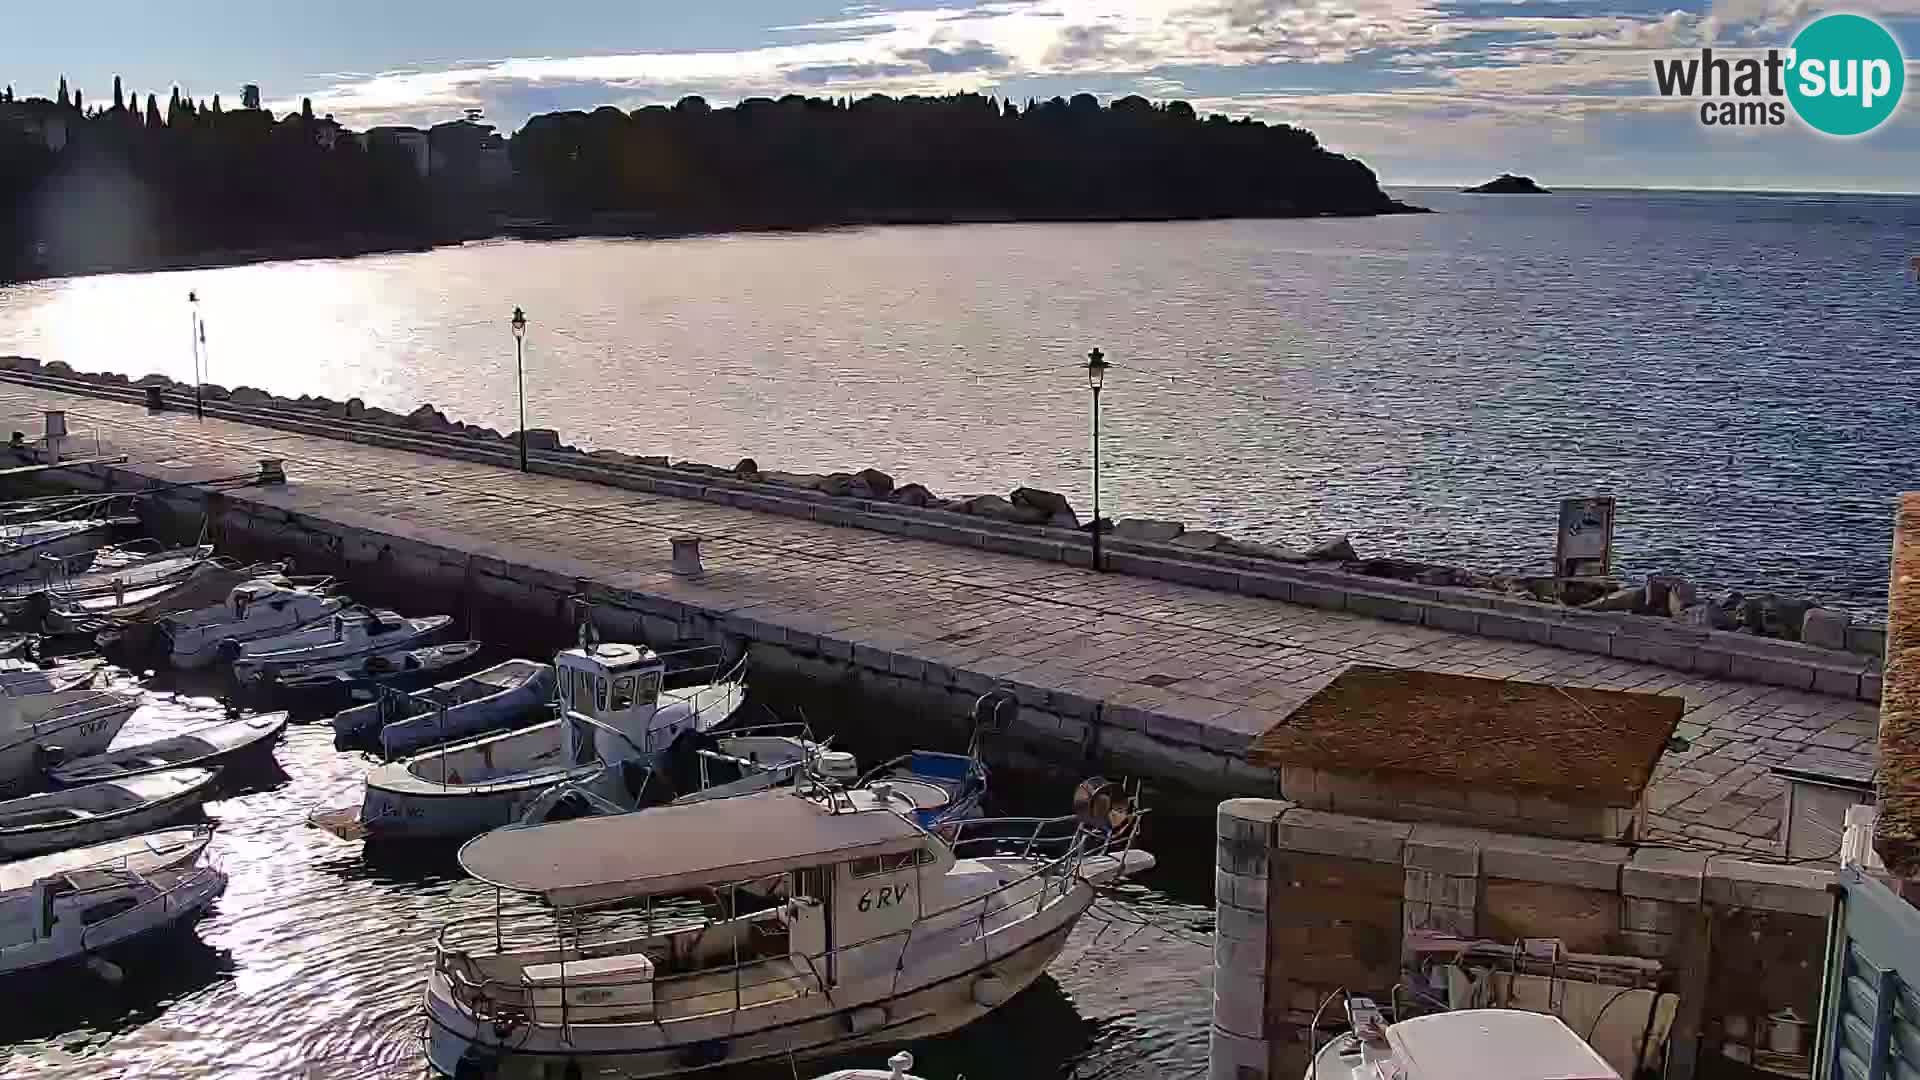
x=1221 y=660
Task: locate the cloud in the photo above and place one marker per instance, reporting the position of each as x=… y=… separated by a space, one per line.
x=973 y=56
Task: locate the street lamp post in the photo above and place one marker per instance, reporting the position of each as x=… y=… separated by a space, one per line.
x=1096 y=374
x=196 y=336
x=520 y=377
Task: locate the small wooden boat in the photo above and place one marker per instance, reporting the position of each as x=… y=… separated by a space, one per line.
x=99 y=812
x=344 y=643
x=112 y=572
x=402 y=666
x=78 y=902
x=485 y=701
x=215 y=744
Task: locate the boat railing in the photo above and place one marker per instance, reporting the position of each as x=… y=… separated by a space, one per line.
x=489 y=996
x=167 y=898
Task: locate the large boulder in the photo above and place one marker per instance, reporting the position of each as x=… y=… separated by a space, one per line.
x=1199 y=540
x=1052 y=503
x=247 y=395
x=428 y=418
x=1254 y=550
x=154 y=380
x=810 y=481
x=1825 y=628
x=19 y=363
x=1151 y=530
x=356 y=409
x=538 y=439
x=913 y=495
x=1338 y=549
x=877 y=484
x=58 y=367
x=990 y=506
x=1774 y=616
x=1634 y=599
x=836 y=484
x=214 y=392
x=746 y=469
x=1714 y=613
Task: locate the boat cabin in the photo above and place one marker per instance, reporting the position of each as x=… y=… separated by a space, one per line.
x=807 y=893
x=610 y=699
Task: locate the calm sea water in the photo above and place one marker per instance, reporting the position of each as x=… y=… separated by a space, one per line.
x=1737 y=369
x=312 y=964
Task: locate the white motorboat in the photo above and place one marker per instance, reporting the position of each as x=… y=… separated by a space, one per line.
x=118 y=575
x=77 y=615
x=835 y=923
x=23 y=544
x=41 y=729
x=66 y=906
x=364 y=681
x=484 y=701
x=613 y=712
x=99 y=812
x=1487 y=1044
x=338 y=645
x=215 y=744
x=263 y=607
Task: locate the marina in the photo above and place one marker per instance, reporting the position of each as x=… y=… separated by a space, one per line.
x=591 y=816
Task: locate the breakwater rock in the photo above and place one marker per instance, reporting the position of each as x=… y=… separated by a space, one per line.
x=1667 y=598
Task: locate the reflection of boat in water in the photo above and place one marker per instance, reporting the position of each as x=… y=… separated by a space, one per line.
x=613 y=713
x=871 y=931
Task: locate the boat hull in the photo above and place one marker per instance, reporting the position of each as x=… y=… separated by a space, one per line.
x=81 y=734
x=942 y=996
x=144 y=817
x=187 y=899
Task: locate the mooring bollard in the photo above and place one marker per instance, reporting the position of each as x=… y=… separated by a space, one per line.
x=272 y=471
x=56 y=432
x=156 y=399
x=686 y=556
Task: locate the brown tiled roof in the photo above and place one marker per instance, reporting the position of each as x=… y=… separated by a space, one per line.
x=1592 y=747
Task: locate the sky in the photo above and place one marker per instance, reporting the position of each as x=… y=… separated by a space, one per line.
x=1425 y=91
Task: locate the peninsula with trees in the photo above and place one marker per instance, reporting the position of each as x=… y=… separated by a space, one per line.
x=88 y=185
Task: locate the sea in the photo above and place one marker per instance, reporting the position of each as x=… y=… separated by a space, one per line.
x=1737 y=370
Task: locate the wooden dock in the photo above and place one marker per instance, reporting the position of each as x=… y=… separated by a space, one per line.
x=1151 y=676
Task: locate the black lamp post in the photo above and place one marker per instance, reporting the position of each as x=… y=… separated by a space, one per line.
x=196 y=336
x=1096 y=374
x=520 y=377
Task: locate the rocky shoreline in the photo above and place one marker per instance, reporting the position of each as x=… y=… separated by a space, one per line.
x=1662 y=597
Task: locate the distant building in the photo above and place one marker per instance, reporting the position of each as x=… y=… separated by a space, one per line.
x=469 y=153
x=410 y=139
x=39 y=119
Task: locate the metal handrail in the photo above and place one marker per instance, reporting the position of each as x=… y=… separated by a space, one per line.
x=163 y=897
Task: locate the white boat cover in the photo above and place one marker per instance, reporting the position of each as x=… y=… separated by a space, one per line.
x=1495 y=1044
x=147 y=851
x=675 y=848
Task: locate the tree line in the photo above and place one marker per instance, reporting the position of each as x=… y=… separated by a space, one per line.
x=142 y=184
x=139 y=183
x=803 y=160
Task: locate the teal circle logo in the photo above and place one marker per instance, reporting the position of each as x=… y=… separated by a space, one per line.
x=1846 y=74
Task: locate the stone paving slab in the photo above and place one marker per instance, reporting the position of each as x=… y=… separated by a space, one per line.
x=1219 y=666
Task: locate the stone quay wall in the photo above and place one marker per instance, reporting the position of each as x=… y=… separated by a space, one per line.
x=1846 y=661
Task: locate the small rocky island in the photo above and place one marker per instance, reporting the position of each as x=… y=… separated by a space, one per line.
x=1509 y=184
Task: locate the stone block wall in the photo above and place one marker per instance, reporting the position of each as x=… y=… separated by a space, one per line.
x=1332 y=898
x=1413 y=799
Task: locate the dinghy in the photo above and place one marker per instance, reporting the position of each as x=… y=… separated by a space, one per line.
x=485 y=701
x=263 y=607
x=345 y=642
x=869 y=931
x=65 y=906
x=403 y=666
x=215 y=744
x=99 y=812
x=613 y=712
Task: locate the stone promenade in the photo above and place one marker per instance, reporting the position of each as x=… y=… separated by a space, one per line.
x=1163 y=656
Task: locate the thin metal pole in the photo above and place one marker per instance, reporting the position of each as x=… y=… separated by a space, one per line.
x=1098 y=563
x=520 y=372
